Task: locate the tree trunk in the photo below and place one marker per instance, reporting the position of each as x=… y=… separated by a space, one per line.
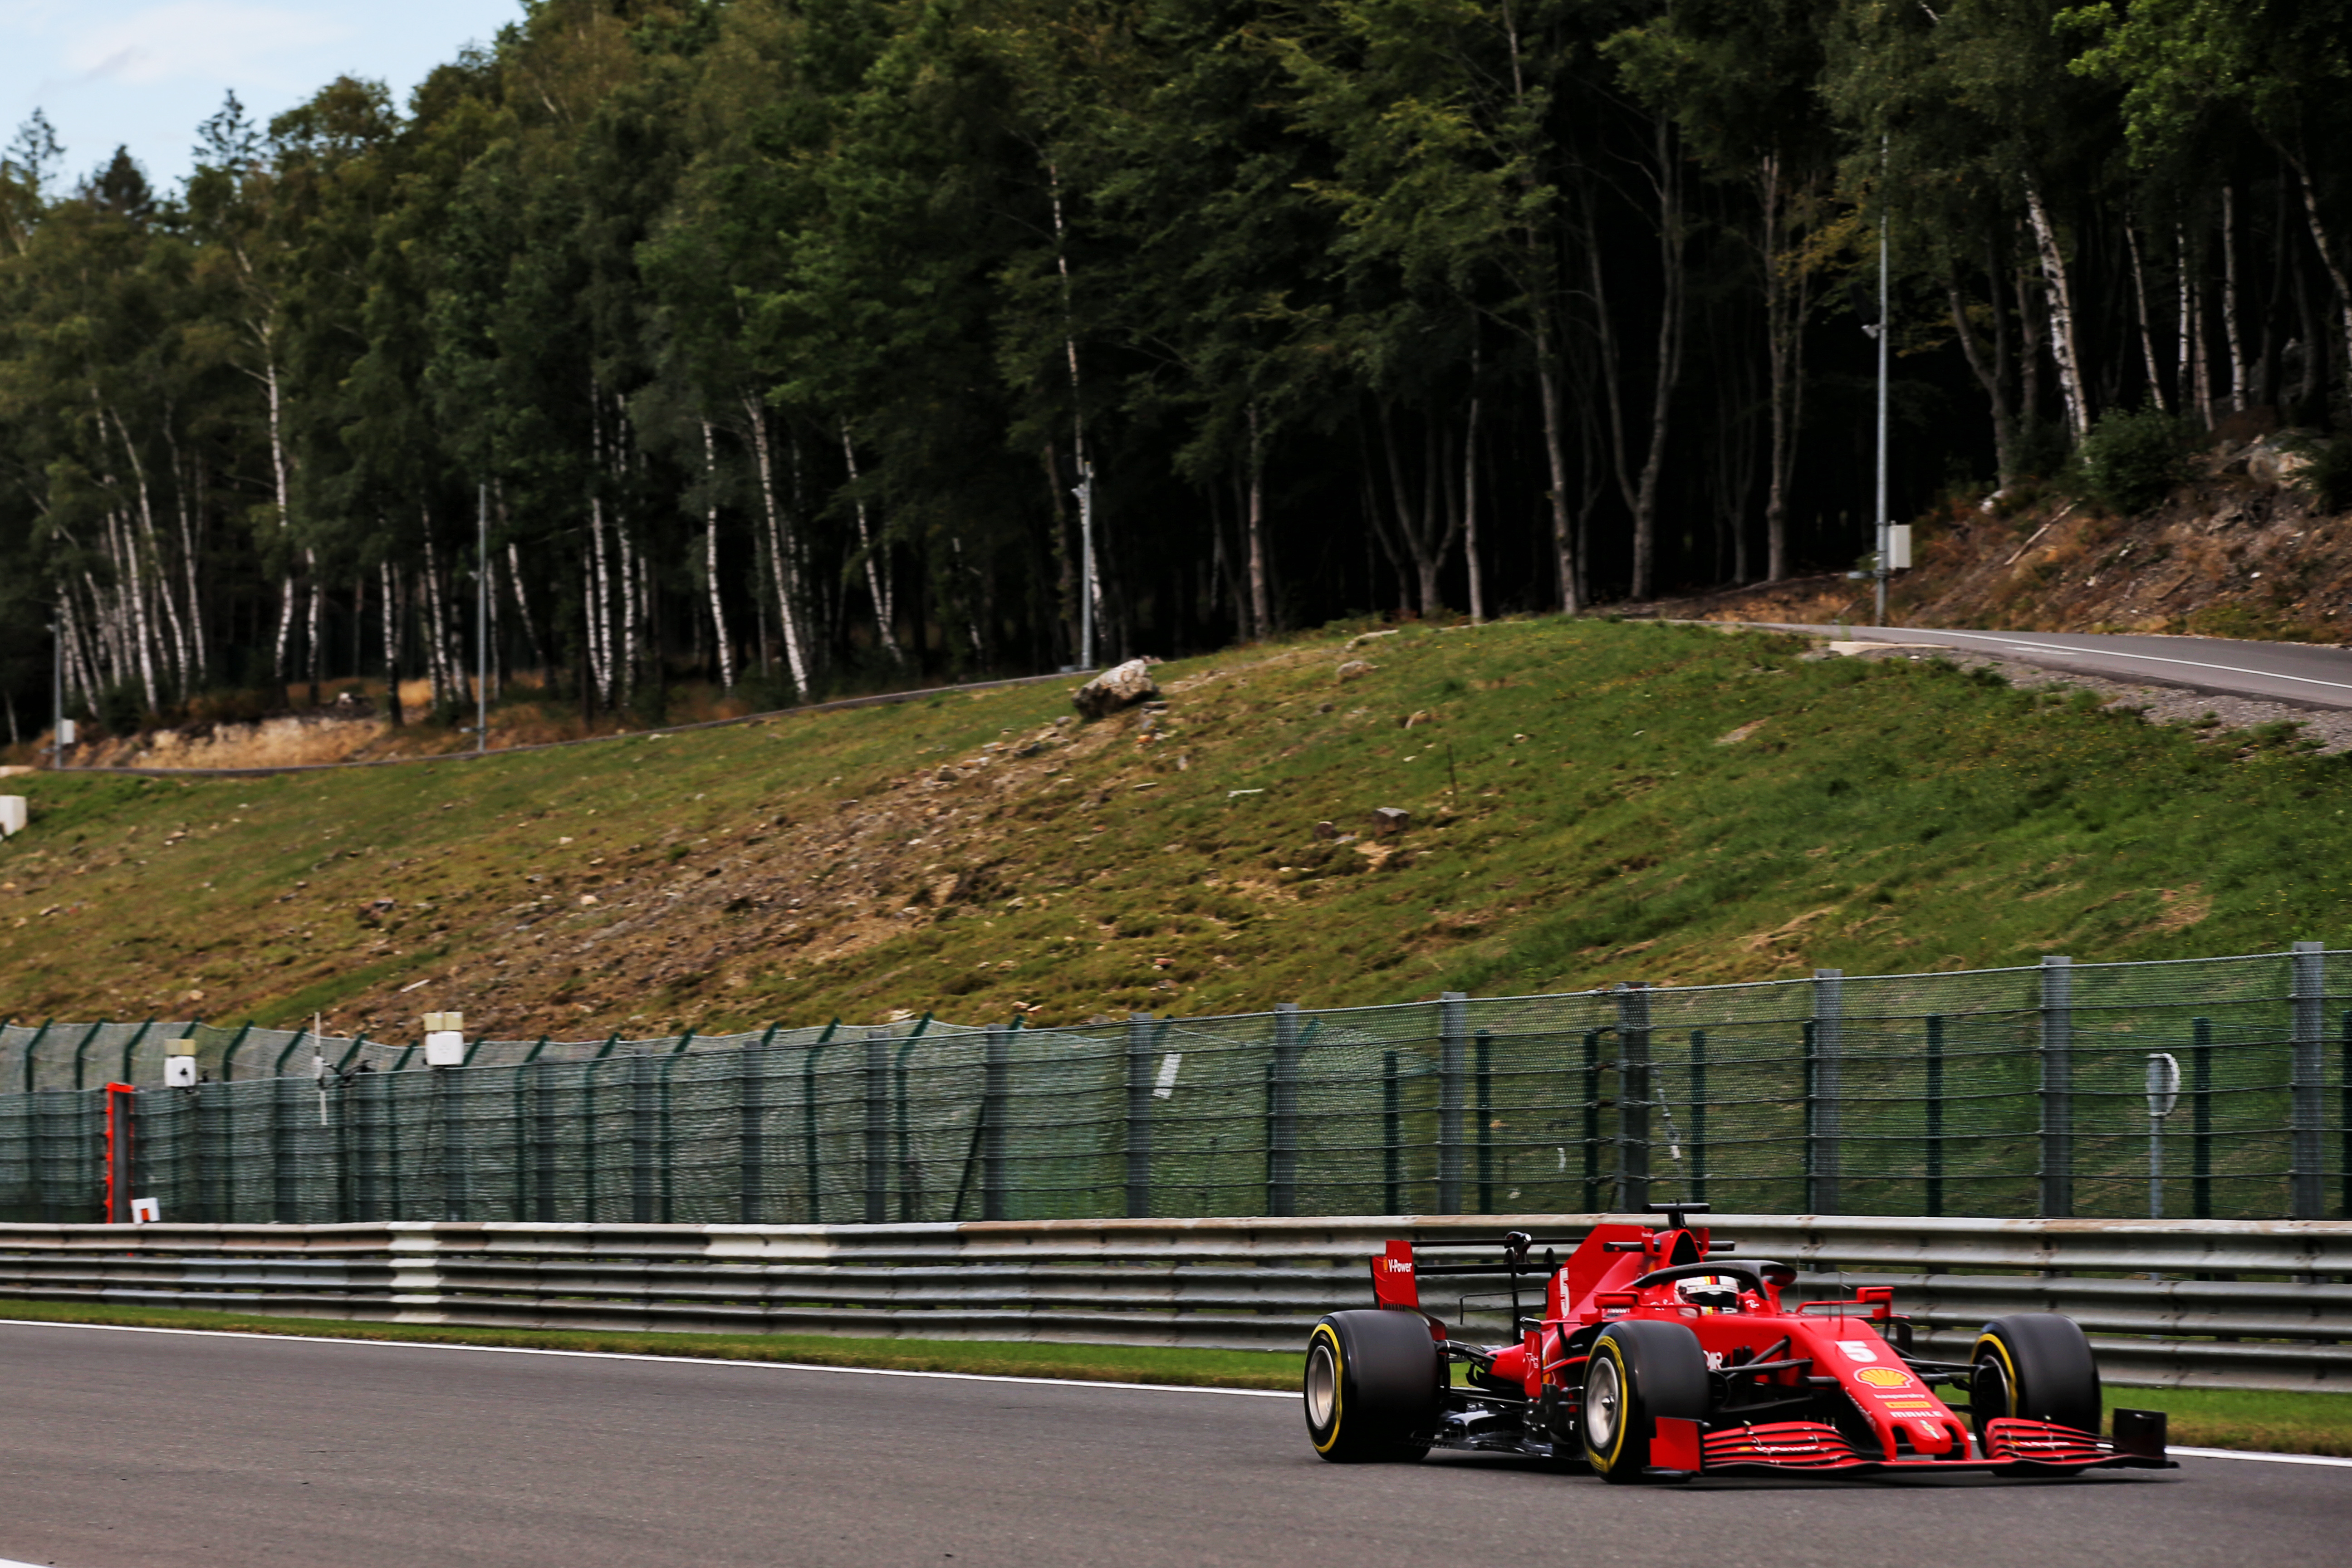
x=1988 y=374
x=2146 y=330
x=711 y=562
x=2229 y=298
x=1261 y=606
x=877 y=580
x=1669 y=369
x=2062 y=345
x=392 y=610
x=1470 y=502
x=780 y=559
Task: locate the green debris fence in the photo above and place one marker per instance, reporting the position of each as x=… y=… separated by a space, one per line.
x=1987 y=1093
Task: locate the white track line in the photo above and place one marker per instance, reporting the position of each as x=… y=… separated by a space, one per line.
x=12 y=1563
x=666 y=1360
x=2272 y=1458
x=2074 y=651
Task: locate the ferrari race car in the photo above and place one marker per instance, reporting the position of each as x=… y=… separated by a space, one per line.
x=1660 y=1358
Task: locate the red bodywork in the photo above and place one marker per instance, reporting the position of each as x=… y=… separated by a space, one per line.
x=1836 y=1353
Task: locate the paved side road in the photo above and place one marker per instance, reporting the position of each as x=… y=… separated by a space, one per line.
x=2280 y=672
x=131 y=1450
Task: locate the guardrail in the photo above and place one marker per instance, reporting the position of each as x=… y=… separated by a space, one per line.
x=2250 y=1304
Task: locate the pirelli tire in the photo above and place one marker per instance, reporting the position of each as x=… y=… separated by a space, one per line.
x=1638 y=1372
x=1372 y=1386
x=2037 y=1365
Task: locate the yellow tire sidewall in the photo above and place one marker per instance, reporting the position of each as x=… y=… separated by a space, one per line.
x=1605 y=1463
x=2009 y=1370
x=1325 y=1334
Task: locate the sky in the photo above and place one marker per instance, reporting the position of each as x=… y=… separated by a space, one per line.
x=145 y=73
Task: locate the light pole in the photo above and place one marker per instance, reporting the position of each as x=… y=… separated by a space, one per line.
x=1085 y=491
x=482 y=620
x=1882 y=334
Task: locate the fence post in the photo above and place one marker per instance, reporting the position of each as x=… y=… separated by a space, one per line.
x=2201 y=1117
x=1138 y=1116
x=809 y=1147
x=1591 y=1121
x=1632 y=1098
x=643 y=1136
x=30 y=1047
x=1483 y=1058
x=1391 y=1151
x=125 y=1075
x=751 y=1148
x=2057 y=1194
x=1698 y=1115
x=1935 y=1150
x=2344 y=1118
x=2306 y=1113
x=877 y=1125
x=1824 y=1167
x=995 y=1095
x=1282 y=1114
x=1453 y=1028
x=81 y=1053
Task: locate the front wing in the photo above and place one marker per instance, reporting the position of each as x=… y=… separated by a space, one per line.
x=2010 y=1443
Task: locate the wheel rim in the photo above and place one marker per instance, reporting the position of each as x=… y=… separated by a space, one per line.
x=1322 y=1386
x=1989 y=1395
x=1602 y=1398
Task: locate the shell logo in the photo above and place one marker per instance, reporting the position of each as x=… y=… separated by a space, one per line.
x=1882 y=1377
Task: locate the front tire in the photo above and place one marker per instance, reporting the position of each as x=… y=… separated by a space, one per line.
x=2037 y=1365
x=1372 y=1386
x=1639 y=1372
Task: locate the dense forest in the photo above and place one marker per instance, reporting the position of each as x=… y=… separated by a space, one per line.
x=794 y=345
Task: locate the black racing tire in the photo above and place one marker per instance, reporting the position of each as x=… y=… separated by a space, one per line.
x=2037 y=1365
x=1372 y=1386
x=1639 y=1371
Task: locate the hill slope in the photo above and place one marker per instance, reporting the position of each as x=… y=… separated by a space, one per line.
x=1591 y=801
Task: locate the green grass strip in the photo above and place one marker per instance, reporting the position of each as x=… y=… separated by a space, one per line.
x=2255 y=1419
x=1099 y=1363
x=2259 y=1419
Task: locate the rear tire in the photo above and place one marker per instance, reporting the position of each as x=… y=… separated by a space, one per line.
x=2037 y=1365
x=1639 y=1371
x=1372 y=1386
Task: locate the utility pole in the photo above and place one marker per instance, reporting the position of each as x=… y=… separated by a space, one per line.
x=482 y=610
x=1883 y=333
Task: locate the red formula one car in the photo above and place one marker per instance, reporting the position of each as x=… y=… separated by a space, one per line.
x=1658 y=1357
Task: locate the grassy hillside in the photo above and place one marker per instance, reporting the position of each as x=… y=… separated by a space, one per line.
x=1591 y=802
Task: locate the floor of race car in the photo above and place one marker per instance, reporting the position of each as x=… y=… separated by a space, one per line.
x=123 y=1449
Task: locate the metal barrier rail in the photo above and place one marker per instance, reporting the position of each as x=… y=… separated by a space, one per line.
x=2253 y=1304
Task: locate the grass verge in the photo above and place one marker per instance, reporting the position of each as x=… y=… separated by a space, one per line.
x=2258 y=1419
x=1099 y=1363
x=2253 y=1419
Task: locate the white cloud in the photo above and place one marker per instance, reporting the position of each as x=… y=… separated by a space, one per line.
x=209 y=40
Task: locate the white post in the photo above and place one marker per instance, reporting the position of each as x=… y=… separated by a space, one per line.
x=2163 y=1094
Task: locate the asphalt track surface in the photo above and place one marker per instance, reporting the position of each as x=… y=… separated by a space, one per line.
x=154 y=1450
x=2295 y=673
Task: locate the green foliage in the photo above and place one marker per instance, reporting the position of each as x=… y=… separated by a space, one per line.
x=2132 y=459
x=2327 y=474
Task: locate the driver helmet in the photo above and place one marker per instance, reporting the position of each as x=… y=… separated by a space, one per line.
x=1709 y=1293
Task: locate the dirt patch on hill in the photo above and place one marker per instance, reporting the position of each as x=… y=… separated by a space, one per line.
x=2228 y=555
